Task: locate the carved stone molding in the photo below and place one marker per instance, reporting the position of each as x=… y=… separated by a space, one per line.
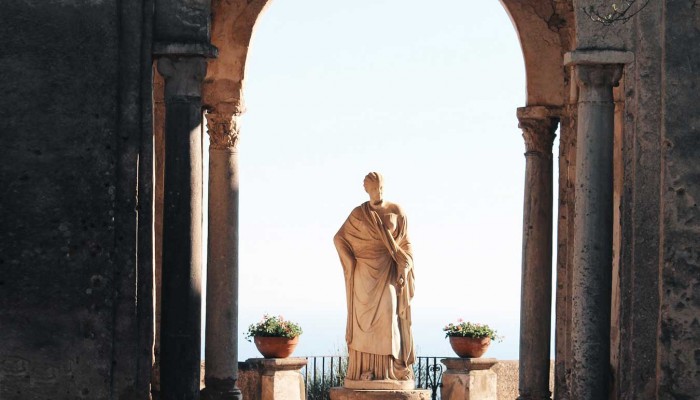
x=596 y=81
x=183 y=76
x=538 y=124
x=223 y=130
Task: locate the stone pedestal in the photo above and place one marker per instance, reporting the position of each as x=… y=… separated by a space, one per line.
x=469 y=379
x=341 y=393
x=280 y=378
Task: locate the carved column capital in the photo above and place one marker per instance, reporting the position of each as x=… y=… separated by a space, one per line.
x=597 y=80
x=538 y=124
x=183 y=75
x=223 y=127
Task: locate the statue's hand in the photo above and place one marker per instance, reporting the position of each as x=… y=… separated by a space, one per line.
x=403 y=270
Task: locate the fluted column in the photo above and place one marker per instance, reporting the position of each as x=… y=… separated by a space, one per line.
x=182 y=228
x=596 y=73
x=538 y=124
x=221 y=344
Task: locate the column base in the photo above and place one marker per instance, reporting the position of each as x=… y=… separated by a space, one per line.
x=341 y=393
x=535 y=396
x=213 y=394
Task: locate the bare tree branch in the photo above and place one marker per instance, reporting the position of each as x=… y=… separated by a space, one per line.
x=619 y=12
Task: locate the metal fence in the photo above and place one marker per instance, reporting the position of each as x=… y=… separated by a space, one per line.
x=324 y=372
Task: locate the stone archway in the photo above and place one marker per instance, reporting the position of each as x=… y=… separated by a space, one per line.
x=546 y=32
x=541 y=40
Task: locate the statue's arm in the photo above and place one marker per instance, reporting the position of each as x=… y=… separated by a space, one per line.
x=347 y=257
x=405 y=249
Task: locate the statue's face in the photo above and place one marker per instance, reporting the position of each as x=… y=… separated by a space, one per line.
x=373 y=189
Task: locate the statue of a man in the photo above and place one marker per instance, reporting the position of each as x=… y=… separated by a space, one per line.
x=377 y=261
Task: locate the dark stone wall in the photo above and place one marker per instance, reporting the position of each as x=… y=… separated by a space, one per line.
x=72 y=129
x=182 y=21
x=660 y=254
x=679 y=340
x=640 y=211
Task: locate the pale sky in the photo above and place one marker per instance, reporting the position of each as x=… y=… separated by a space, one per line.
x=424 y=93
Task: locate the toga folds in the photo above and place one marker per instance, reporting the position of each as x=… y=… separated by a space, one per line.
x=378 y=329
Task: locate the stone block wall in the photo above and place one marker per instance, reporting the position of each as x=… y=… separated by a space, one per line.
x=659 y=349
x=74 y=202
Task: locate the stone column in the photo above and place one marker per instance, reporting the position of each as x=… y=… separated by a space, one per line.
x=469 y=379
x=538 y=124
x=182 y=228
x=221 y=344
x=596 y=73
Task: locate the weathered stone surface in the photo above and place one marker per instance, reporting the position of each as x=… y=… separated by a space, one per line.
x=380 y=384
x=475 y=385
x=468 y=364
x=180 y=337
x=469 y=379
x=593 y=220
x=184 y=22
x=538 y=125
x=338 y=393
x=679 y=338
x=280 y=378
x=538 y=24
x=659 y=263
x=71 y=325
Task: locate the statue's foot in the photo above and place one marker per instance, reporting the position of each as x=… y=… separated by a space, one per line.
x=367 y=376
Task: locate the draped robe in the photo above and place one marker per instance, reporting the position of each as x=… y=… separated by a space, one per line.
x=378 y=332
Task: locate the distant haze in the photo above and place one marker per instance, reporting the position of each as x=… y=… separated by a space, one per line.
x=426 y=94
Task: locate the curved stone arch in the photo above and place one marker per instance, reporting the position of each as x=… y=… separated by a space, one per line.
x=233 y=22
x=544 y=38
x=537 y=25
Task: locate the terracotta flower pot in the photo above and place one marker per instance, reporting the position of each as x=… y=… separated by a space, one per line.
x=275 y=347
x=467 y=347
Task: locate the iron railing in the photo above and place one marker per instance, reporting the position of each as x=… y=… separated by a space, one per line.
x=428 y=373
x=324 y=372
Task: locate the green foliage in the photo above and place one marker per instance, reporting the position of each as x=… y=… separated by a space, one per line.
x=472 y=330
x=273 y=326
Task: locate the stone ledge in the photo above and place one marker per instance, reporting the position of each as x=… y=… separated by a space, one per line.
x=468 y=364
x=578 y=57
x=539 y=112
x=205 y=50
x=277 y=364
x=385 y=384
x=339 y=393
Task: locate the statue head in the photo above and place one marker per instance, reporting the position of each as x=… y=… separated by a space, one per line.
x=374 y=185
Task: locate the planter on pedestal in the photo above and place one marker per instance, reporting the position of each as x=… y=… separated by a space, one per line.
x=275 y=347
x=468 y=347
